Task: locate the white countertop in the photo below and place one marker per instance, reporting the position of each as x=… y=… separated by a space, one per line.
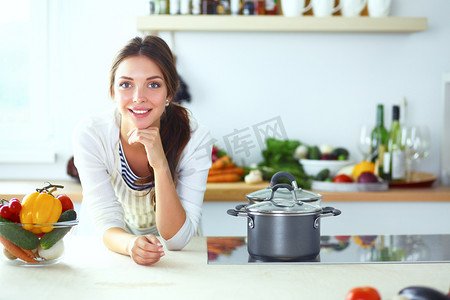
x=90 y=271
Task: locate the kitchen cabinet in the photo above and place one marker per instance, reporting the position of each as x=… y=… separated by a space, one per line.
x=356 y=218
x=213 y=23
x=396 y=211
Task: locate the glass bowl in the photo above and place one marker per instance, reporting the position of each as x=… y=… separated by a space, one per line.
x=46 y=246
x=312 y=167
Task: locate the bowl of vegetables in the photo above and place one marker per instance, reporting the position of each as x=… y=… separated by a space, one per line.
x=314 y=167
x=316 y=159
x=37 y=230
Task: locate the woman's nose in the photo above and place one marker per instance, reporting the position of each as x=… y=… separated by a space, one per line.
x=139 y=95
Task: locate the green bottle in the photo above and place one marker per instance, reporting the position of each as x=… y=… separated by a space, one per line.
x=379 y=139
x=394 y=158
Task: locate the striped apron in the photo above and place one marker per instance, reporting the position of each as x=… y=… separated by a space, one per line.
x=139 y=213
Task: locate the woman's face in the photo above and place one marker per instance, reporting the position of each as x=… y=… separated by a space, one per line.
x=140 y=92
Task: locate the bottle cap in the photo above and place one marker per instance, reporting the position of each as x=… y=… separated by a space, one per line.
x=395 y=112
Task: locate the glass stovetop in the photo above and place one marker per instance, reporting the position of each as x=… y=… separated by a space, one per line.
x=345 y=250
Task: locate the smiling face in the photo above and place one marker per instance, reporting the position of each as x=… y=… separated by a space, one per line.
x=140 y=93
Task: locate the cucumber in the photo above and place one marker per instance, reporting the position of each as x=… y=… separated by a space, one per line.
x=322 y=175
x=340 y=153
x=50 y=238
x=17 y=235
x=314 y=152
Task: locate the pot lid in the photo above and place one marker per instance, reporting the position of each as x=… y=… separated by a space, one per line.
x=274 y=192
x=283 y=206
x=300 y=194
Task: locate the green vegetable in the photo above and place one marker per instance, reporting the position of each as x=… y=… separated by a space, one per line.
x=341 y=153
x=314 y=152
x=50 y=238
x=17 y=235
x=323 y=175
x=279 y=151
x=279 y=156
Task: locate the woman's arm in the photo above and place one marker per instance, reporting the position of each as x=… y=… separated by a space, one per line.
x=93 y=148
x=178 y=209
x=170 y=214
x=192 y=173
x=144 y=250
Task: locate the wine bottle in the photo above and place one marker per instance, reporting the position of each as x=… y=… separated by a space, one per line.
x=248 y=8
x=394 y=158
x=379 y=137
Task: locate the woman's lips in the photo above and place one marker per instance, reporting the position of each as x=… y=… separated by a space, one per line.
x=140 y=112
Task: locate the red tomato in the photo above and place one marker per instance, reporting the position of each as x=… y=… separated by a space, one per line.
x=363 y=293
x=342 y=178
x=342 y=238
x=5 y=212
x=15 y=218
x=15 y=206
x=66 y=202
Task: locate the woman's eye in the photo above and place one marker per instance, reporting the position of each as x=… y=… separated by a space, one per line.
x=154 y=85
x=125 y=85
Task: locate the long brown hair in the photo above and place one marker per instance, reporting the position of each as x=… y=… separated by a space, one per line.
x=175 y=130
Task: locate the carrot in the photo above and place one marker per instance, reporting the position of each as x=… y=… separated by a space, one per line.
x=215 y=250
x=221 y=162
x=235 y=170
x=230 y=165
x=224 y=178
x=16 y=250
x=221 y=240
x=30 y=253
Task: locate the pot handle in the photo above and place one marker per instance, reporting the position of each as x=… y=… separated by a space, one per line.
x=326 y=212
x=286 y=186
x=282 y=185
x=237 y=211
x=282 y=174
x=330 y=211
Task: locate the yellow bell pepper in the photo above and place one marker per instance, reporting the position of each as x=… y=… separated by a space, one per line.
x=40 y=208
x=364 y=166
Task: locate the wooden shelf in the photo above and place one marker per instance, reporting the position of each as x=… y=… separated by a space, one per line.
x=208 y=23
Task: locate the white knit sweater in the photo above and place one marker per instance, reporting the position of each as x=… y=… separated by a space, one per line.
x=94 y=147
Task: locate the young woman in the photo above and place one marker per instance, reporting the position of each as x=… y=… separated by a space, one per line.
x=143 y=167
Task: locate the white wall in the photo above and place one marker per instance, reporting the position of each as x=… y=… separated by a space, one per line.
x=322 y=86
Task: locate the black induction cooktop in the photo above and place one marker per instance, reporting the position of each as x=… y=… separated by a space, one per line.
x=344 y=249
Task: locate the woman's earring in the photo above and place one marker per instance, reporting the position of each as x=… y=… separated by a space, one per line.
x=167 y=102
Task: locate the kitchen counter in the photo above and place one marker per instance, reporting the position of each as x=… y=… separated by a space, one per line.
x=19 y=188
x=91 y=271
x=236 y=191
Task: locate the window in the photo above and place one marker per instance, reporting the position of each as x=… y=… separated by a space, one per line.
x=25 y=119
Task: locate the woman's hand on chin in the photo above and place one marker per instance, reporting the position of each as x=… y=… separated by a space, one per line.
x=150 y=138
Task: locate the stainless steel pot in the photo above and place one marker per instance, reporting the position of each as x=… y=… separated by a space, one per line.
x=283 y=229
x=267 y=193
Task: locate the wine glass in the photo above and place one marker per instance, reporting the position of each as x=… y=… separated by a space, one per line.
x=423 y=141
x=365 y=141
x=417 y=142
